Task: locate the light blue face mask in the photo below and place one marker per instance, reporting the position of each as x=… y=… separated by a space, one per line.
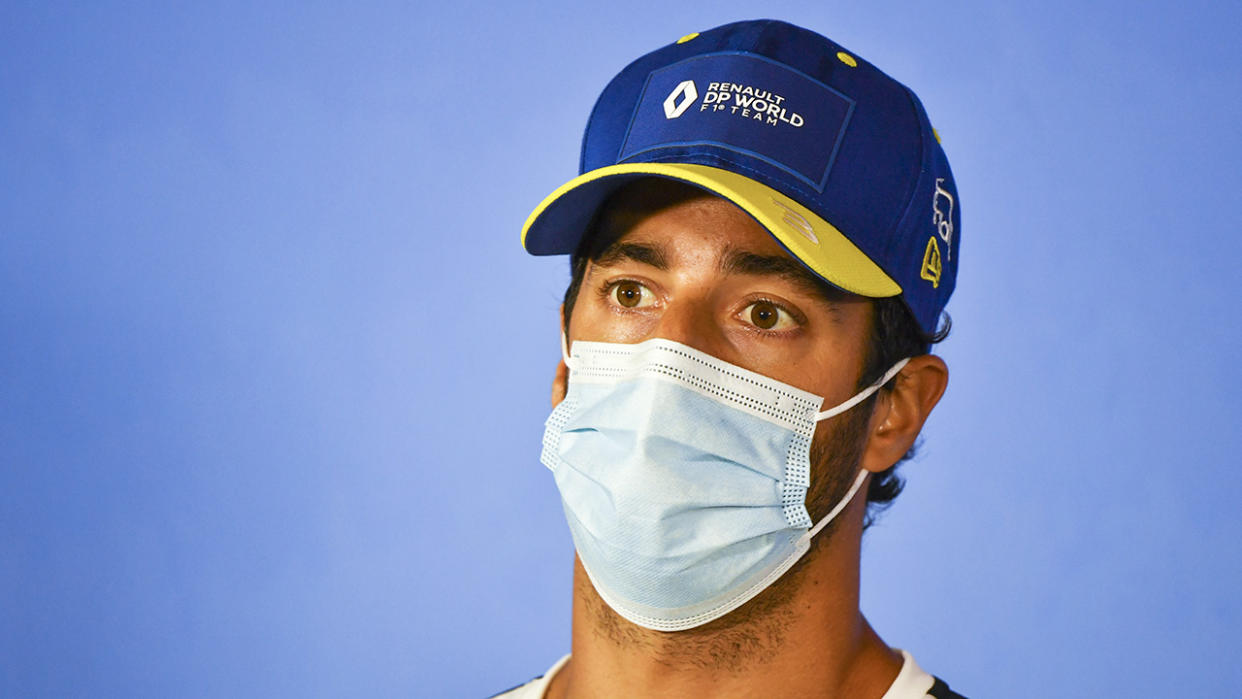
x=684 y=477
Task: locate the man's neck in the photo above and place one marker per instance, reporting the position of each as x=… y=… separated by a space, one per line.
x=802 y=637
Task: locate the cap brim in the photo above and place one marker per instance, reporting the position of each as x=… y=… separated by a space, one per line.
x=556 y=226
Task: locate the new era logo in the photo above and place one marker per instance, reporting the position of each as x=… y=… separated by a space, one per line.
x=685 y=90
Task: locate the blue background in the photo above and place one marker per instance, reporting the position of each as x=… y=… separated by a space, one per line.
x=274 y=368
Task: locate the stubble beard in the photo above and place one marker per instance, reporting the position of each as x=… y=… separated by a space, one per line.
x=755 y=632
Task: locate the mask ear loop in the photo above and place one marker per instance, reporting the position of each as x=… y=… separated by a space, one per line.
x=862 y=395
x=810 y=533
x=862 y=473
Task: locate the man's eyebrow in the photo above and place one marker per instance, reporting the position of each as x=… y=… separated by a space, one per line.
x=749 y=263
x=637 y=252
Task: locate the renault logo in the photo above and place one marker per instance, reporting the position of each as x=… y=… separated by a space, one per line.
x=686 y=89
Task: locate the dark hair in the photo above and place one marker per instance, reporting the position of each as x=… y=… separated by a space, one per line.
x=895 y=335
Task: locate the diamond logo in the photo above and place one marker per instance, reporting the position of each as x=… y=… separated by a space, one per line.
x=686 y=89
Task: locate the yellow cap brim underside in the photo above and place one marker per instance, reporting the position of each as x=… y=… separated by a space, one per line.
x=814 y=241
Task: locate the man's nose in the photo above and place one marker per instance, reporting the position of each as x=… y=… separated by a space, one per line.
x=693 y=322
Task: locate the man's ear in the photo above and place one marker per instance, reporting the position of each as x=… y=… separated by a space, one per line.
x=900 y=413
x=560 y=382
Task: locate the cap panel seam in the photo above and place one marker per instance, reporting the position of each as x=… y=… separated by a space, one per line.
x=895 y=227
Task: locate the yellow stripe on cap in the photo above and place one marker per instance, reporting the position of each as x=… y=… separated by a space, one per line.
x=814 y=241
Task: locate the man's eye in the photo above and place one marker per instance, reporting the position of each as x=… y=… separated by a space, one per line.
x=631 y=294
x=766 y=315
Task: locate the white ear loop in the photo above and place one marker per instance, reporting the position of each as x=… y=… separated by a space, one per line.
x=862 y=473
x=863 y=395
x=810 y=533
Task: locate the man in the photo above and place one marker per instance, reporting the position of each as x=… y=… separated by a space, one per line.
x=763 y=239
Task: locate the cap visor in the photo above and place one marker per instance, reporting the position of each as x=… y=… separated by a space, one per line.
x=557 y=225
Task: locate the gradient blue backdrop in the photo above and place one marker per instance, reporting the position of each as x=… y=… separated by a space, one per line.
x=274 y=368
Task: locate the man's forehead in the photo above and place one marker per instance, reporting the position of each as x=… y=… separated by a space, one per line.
x=643 y=226
x=642 y=198
x=669 y=216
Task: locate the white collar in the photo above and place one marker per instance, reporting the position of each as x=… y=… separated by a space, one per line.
x=911 y=683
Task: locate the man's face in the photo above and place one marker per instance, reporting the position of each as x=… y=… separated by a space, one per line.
x=703 y=273
x=681 y=265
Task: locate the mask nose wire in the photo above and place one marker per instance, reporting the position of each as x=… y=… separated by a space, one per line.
x=862 y=395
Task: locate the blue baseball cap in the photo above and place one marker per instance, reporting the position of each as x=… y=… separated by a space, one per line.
x=834 y=158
